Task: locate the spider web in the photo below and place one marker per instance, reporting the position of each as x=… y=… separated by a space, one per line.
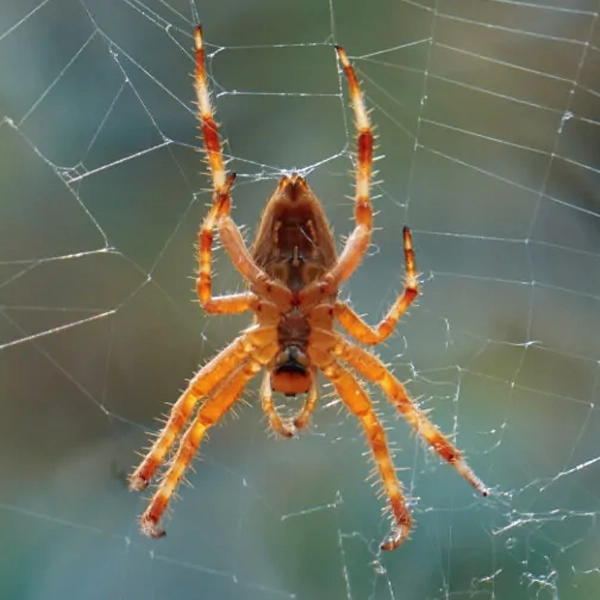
x=487 y=115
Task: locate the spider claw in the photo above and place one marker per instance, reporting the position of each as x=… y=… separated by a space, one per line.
x=396 y=538
x=299 y=423
x=198 y=36
x=230 y=181
x=138 y=483
x=149 y=527
x=154 y=532
x=285 y=430
x=158 y=533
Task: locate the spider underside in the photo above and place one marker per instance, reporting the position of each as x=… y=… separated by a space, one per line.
x=293 y=273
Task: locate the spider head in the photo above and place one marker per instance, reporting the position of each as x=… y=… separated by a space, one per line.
x=290 y=374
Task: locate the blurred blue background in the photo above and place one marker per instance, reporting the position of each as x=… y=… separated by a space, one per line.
x=487 y=121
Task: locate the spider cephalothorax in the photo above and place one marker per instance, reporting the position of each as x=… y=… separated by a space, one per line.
x=293 y=274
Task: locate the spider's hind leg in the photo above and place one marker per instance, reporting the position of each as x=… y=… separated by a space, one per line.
x=301 y=419
x=210 y=413
x=276 y=423
x=357 y=401
x=203 y=383
x=372 y=369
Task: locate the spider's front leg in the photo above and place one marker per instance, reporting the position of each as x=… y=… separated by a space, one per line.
x=219 y=216
x=231 y=303
x=358 y=241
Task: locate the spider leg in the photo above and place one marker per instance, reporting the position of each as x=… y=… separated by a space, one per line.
x=210 y=130
x=372 y=369
x=202 y=384
x=357 y=401
x=227 y=304
x=230 y=303
x=219 y=216
x=300 y=421
x=276 y=423
x=363 y=332
x=211 y=411
x=358 y=241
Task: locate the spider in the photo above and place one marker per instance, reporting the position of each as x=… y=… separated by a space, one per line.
x=293 y=273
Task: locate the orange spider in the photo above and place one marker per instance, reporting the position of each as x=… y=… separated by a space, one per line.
x=294 y=274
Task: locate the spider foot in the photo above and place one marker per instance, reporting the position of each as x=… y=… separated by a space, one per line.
x=151 y=530
x=140 y=478
x=397 y=537
x=138 y=483
x=461 y=466
x=283 y=428
x=149 y=526
x=287 y=429
x=301 y=422
x=150 y=519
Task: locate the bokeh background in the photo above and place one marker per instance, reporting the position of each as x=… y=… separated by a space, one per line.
x=487 y=120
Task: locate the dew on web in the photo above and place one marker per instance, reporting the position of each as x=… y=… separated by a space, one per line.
x=487 y=125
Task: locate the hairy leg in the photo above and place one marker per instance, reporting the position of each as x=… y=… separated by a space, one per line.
x=276 y=423
x=359 y=240
x=363 y=332
x=372 y=369
x=202 y=384
x=300 y=421
x=230 y=303
x=211 y=411
x=356 y=400
x=219 y=215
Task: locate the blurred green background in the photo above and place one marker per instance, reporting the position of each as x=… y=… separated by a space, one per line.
x=487 y=120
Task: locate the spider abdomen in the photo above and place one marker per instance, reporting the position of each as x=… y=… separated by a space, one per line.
x=294 y=243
